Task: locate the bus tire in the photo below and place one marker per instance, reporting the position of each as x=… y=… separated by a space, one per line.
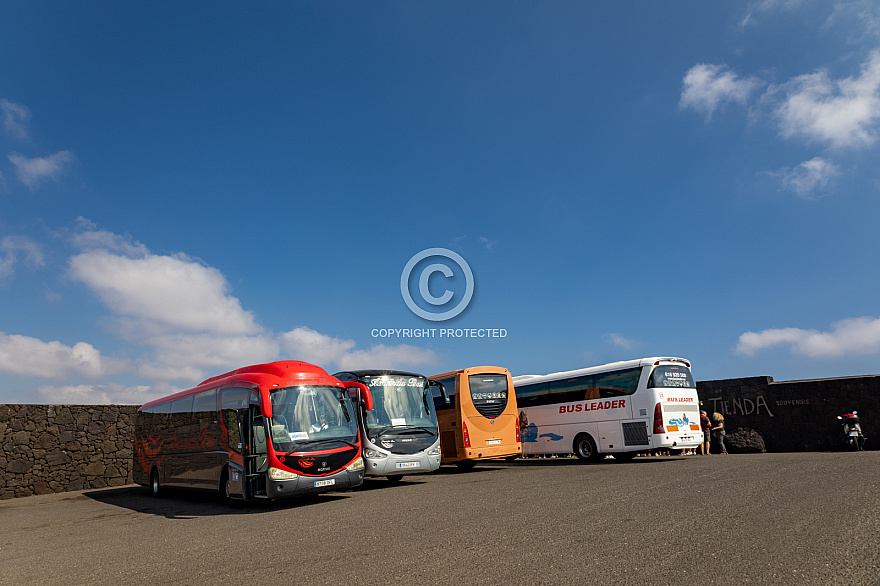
x=394 y=478
x=585 y=448
x=512 y=458
x=466 y=464
x=155 y=487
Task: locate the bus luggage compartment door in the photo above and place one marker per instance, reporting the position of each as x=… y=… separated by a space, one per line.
x=236 y=480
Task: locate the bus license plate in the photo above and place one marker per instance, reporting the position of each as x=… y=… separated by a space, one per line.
x=494 y=442
x=325 y=482
x=407 y=465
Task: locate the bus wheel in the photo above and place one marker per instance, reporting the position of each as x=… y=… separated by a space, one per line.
x=585 y=448
x=394 y=478
x=155 y=487
x=512 y=458
x=466 y=464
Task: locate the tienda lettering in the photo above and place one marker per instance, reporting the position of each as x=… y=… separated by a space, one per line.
x=616 y=404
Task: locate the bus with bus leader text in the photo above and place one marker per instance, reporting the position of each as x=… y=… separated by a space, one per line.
x=621 y=409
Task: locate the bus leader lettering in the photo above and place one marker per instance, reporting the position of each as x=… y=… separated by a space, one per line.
x=617 y=404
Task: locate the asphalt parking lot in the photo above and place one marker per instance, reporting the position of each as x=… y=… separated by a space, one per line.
x=737 y=519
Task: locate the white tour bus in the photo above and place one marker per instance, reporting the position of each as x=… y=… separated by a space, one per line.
x=620 y=408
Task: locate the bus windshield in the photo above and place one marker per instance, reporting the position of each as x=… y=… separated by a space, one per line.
x=671 y=376
x=401 y=404
x=311 y=414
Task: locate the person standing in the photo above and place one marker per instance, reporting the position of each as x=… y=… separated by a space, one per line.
x=718 y=419
x=705 y=426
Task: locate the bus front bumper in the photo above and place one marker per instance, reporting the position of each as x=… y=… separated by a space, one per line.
x=396 y=464
x=342 y=480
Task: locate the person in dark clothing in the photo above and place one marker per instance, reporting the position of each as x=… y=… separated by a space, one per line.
x=718 y=419
x=705 y=426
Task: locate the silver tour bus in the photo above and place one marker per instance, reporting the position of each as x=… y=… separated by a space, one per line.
x=400 y=435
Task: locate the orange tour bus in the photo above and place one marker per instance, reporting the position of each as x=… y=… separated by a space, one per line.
x=480 y=420
x=265 y=431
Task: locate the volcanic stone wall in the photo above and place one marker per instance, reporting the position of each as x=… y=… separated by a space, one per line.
x=57 y=448
x=795 y=416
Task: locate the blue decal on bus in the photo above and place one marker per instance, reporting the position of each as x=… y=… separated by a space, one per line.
x=530 y=433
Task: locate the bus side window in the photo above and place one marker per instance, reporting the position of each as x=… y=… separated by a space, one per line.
x=619 y=383
x=181 y=412
x=451 y=390
x=205 y=407
x=532 y=395
x=162 y=417
x=231 y=401
x=580 y=388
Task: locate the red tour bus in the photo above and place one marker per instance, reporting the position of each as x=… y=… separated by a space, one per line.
x=265 y=431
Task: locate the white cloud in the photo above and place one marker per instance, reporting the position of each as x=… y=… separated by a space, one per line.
x=310 y=346
x=847 y=337
x=15 y=118
x=13 y=248
x=708 y=87
x=192 y=327
x=809 y=177
x=622 y=342
x=766 y=6
x=194 y=357
x=27 y=356
x=33 y=172
x=110 y=394
x=842 y=113
x=163 y=293
x=88 y=237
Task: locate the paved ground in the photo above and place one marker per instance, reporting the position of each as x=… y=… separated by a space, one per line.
x=737 y=519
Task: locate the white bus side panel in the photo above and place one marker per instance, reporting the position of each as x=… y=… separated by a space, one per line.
x=551 y=429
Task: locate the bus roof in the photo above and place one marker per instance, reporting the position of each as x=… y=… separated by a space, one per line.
x=531 y=378
x=279 y=374
x=380 y=372
x=476 y=369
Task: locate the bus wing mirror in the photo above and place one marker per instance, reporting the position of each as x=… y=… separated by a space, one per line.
x=443 y=392
x=366 y=396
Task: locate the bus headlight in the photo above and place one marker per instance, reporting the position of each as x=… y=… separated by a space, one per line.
x=434 y=451
x=356 y=465
x=279 y=474
x=374 y=454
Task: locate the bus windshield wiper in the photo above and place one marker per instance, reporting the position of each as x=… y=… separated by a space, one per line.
x=323 y=441
x=411 y=429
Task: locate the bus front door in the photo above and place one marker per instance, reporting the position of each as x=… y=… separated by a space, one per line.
x=237 y=448
x=245 y=441
x=256 y=458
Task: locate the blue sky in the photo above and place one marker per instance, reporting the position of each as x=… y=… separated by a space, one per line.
x=185 y=189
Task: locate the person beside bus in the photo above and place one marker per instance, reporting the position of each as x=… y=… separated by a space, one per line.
x=718 y=418
x=705 y=426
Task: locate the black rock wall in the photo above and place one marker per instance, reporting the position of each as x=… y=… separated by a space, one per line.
x=795 y=416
